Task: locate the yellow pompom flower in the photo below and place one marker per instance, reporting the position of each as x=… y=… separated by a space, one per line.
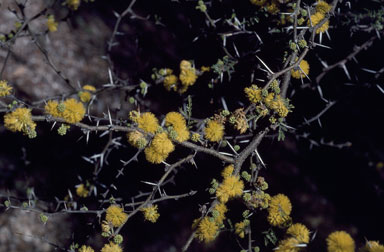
x=299 y=232
x=111 y=247
x=85 y=249
x=323 y=7
x=304 y=67
x=170 y=82
x=73 y=4
x=253 y=93
x=137 y=139
x=148 y=122
x=315 y=19
x=5 y=89
x=195 y=137
x=227 y=171
x=340 y=241
x=115 y=215
x=159 y=148
x=82 y=191
x=51 y=23
x=185 y=65
x=85 y=96
x=150 y=213
x=188 y=77
x=177 y=121
x=51 y=108
x=214 y=131
x=273 y=7
x=258 y=2
x=279 y=210
x=207 y=230
x=74 y=111
x=373 y=246
x=288 y=245
x=231 y=187
x=20 y=120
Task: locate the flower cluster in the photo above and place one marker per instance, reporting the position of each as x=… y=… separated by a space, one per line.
x=187 y=77
x=340 y=241
x=322 y=8
x=150 y=213
x=145 y=121
x=279 y=210
x=207 y=230
x=70 y=110
x=116 y=216
x=5 y=89
x=82 y=191
x=20 y=120
x=176 y=122
x=240 y=228
x=85 y=248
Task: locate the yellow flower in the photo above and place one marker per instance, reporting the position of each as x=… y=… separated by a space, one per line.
x=214 y=131
x=323 y=7
x=5 y=89
x=315 y=19
x=159 y=148
x=279 y=210
x=269 y=99
x=170 y=82
x=304 y=67
x=111 y=247
x=288 y=245
x=148 y=122
x=218 y=212
x=82 y=191
x=51 y=23
x=299 y=232
x=154 y=157
x=116 y=216
x=86 y=249
x=240 y=228
x=73 y=4
x=177 y=121
x=185 y=65
x=273 y=7
x=89 y=88
x=340 y=241
x=20 y=120
x=207 y=230
x=279 y=106
x=253 y=93
x=373 y=246
x=51 y=108
x=85 y=96
x=227 y=171
x=188 y=77
x=231 y=187
x=150 y=213
x=258 y=2
x=137 y=139
x=74 y=111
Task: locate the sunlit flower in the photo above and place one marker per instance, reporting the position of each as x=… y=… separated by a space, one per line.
x=340 y=241
x=178 y=123
x=323 y=7
x=137 y=139
x=288 y=245
x=214 y=131
x=253 y=93
x=279 y=210
x=207 y=230
x=159 y=148
x=20 y=120
x=111 y=247
x=227 y=171
x=150 y=213
x=231 y=187
x=5 y=89
x=85 y=249
x=74 y=111
x=82 y=191
x=116 y=215
x=148 y=122
x=170 y=82
x=299 y=232
x=302 y=72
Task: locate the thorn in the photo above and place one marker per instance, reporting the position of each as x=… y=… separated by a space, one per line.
x=346 y=71
x=269 y=70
